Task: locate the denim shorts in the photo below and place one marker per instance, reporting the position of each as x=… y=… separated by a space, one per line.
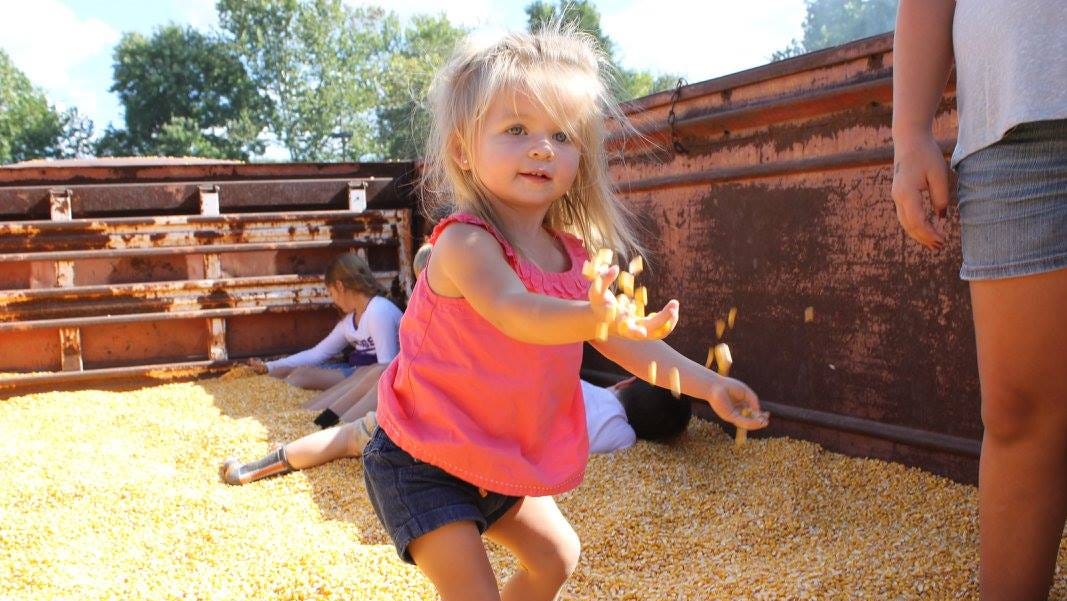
x=413 y=498
x=344 y=368
x=1013 y=203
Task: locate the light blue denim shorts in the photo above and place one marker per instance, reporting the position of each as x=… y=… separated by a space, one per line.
x=344 y=368
x=1013 y=203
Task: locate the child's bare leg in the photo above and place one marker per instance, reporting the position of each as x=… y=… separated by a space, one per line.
x=1021 y=332
x=314 y=378
x=544 y=543
x=453 y=558
x=365 y=405
x=327 y=397
x=310 y=451
x=355 y=394
x=325 y=446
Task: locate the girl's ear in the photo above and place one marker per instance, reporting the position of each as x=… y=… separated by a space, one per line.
x=459 y=155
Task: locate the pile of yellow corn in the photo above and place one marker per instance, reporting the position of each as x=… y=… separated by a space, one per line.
x=115 y=495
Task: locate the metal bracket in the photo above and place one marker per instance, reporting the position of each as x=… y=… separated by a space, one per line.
x=357 y=196
x=209 y=199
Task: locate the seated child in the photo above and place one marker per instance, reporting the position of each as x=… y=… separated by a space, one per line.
x=370 y=326
x=355 y=396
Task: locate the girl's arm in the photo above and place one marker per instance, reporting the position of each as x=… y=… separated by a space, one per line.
x=727 y=396
x=922 y=59
x=468 y=262
x=332 y=344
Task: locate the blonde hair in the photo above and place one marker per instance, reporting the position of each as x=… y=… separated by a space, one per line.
x=351 y=272
x=560 y=68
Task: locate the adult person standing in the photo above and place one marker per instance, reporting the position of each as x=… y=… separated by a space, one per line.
x=1011 y=162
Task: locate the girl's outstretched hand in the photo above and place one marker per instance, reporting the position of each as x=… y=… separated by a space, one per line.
x=257 y=366
x=620 y=317
x=735 y=402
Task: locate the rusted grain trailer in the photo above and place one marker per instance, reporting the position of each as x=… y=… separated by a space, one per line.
x=767 y=190
x=770 y=192
x=117 y=270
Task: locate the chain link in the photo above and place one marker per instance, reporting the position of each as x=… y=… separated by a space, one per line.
x=672 y=118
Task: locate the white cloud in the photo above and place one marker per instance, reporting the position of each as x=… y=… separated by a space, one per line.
x=58 y=52
x=48 y=41
x=201 y=14
x=701 y=40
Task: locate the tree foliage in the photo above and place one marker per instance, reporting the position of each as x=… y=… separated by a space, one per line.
x=30 y=127
x=316 y=61
x=415 y=54
x=832 y=22
x=627 y=83
x=184 y=93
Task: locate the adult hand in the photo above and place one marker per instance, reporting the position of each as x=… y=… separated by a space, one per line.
x=919 y=165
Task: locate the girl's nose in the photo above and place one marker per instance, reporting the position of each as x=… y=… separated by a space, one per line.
x=542 y=151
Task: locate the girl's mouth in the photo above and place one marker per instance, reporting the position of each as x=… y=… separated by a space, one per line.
x=538 y=176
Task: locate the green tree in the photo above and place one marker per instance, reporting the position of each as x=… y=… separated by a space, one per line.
x=414 y=55
x=30 y=127
x=627 y=83
x=833 y=22
x=185 y=93
x=317 y=62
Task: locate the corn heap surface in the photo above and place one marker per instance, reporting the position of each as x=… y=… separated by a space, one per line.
x=115 y=495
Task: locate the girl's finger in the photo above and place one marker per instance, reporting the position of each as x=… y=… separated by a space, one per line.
x=755 y=422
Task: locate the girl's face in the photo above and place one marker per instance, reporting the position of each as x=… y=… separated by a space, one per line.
x=520 y=155
x=345 y=300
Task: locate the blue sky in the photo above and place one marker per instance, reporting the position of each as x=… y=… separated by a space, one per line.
x=65 y=46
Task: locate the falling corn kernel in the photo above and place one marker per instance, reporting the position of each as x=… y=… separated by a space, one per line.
x=598 y=286
x=720 y=328
x=627 y=325
x=639 y=308
x=731 y=317
x=809 y=315
x=604 y=257
x=723 y=359
x=711 y=357
x=589 y=270
x=652 y=372
x=641 y=295
x=602 y=331
x=626 y=283
x=610 y=314
x=637 y=265
x=676 y=383
x=742 y=434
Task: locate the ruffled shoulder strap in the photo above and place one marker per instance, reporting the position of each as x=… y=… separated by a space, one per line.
x=474 y=220
x=574 y=245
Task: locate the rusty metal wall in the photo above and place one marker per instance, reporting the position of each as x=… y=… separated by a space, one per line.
x=778 y=199
x=114 y=271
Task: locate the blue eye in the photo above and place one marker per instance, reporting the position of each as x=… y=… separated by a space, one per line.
x=517 y=130
x=560 y=137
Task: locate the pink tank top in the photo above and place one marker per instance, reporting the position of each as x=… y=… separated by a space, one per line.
x=504 y=415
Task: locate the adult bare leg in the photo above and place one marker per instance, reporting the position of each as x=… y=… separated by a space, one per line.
x=1021 y=333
